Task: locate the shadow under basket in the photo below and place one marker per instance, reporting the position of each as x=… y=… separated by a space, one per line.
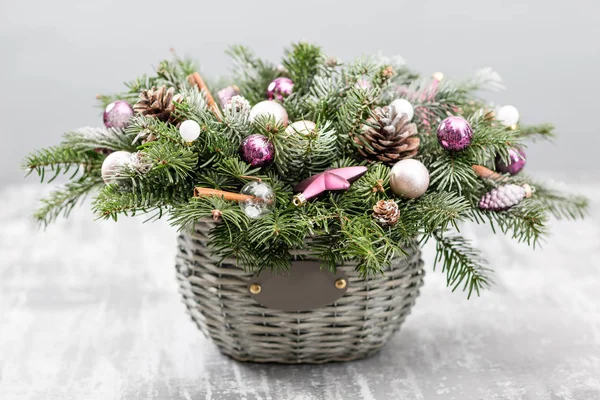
x=225 y=302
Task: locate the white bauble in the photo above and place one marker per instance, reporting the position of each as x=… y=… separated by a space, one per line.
x=112 y=165
x=303 y=127
x=270 y=107
x=507 y=115
x=403 y=106
x=189 y=130
x=409 y=178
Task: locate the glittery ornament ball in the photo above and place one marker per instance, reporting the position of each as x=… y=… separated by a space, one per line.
x=280 y=88
x=409 y=178
x=516 y=164
x=262 y=201
x=257 y=150
x=455 y=133
x=117 y=114
x=226 y=94
x=269 y=108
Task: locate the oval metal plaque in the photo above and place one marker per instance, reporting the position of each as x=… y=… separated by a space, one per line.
x=305 y=287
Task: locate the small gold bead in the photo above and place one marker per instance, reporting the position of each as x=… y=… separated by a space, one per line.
x=513 y=127
x=341 y=283
x=255 y=288
x=438 y=76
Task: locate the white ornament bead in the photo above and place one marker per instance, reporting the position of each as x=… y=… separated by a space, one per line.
x=113 y=164
x=409 y=178
x=303 y=127
x=189 y=130
x=269 y=107
x=403 y=106
x=507 y=115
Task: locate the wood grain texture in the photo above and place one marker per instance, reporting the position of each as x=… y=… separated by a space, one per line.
x=90 y=310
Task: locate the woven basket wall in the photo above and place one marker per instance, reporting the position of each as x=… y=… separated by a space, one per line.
x=358 y=324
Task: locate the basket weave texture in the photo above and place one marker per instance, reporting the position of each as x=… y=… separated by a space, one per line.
x=357 y=325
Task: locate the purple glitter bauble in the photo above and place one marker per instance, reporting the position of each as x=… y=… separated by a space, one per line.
x=517 y=162
x=257 y=150
x=117 y=114
x=280 y=88
x=454 y=133
x=226 y=94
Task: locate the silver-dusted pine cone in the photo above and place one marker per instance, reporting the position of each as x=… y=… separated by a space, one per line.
x=386 y=212
x=237 y=107
x=140 y=163
x=504 y=197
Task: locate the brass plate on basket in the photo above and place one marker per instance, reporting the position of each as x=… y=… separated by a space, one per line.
x=305 y=287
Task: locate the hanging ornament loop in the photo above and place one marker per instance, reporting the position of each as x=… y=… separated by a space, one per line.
x=299 y=200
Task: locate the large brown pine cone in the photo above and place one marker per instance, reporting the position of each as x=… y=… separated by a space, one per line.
x=388 y=137
x=158 y=103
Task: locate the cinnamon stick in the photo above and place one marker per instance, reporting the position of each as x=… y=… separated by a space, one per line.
x=205 y=192
x=196 y=79
x=486 y=173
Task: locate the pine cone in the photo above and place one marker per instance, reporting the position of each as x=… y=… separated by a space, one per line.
x=504 y=197
x=158 y=103
x=386 y=212
x=389 y=137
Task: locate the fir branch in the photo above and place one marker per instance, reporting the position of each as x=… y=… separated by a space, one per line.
x=306 y=154
x=185 y=215
x=62 y=200
x=351 y=115
x=169 y=162
x=367 y=190
x=276 y=229
x=366 y=242
x=130 y=200
x=60 y=160
x=560 y=205
x=452 y=172
x=436 y=211
x=89 y=138
x=536 y=132
x=525 y=222
x=462 y=264
x=235 y=169
x=302 y=62
x=252 y=75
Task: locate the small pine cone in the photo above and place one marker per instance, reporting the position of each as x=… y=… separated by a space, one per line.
x=158 y=103
x=504 y=197
x=386 y=212
x=140 y=162
x=237 y=106
x=388 y=137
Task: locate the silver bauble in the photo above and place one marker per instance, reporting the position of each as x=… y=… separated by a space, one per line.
x=270 y=107
x=409 y=178
x=112 y=165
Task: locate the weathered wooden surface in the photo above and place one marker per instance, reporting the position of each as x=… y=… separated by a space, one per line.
x=90 y=310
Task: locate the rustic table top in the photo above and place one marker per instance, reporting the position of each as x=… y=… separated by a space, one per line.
x=90 y=310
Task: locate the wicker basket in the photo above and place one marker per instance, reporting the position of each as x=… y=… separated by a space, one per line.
x=355 y=326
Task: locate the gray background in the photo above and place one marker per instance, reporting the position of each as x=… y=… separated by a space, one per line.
x=57 y=55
